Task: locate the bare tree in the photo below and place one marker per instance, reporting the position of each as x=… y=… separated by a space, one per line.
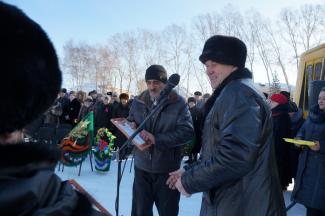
x=278 y=53
x=105 y=68
x=303 y=27
x=311 y=20
x=207 y=25
x=232 y=21
x=76 y=62
x=116 y=43
x=174 y=43
x=262 y=45
x=248 y=33
x=150 y=47
x=290 y=21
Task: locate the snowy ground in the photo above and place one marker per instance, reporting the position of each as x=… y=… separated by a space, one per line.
x=102 y=186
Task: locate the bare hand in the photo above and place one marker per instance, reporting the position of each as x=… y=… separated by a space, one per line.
x=173 y=177
x=147 y=137
x=144 y=146
x=181 y=189
x=315 y=147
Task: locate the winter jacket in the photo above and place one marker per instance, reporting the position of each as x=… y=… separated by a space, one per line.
x=73 y=111
x=237 y=172
x=282 y=129
x=309 y=188
x=120 y=111
x=171 y=126
x=29 y=186
x=197 y=118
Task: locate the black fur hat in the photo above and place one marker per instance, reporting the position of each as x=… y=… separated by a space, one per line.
x=30 y=73
x=225 y=50
x=156 y=72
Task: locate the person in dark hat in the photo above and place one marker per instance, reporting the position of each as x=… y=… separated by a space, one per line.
x=62 y=102
x=29 y=62
x=292 y=105
x=165 y=134
x=121 y=111
x=198 y=98
x=196 y=114
x=281 y=129
x=237 y=167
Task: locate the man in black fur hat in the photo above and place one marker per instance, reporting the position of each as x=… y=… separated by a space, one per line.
x=165 y=133
x=30 y=68
x=237 y=172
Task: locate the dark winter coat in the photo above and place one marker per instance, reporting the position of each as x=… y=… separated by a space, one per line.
x=197 y=118
x=237 y=172
x=29 y=185
x=120 y=111
x=64 y=101
x=73 y=111
x=282 y=129
x=83 y=112
x=309 y=188
x=297 y=121
x=171 y=126
x=102 y=115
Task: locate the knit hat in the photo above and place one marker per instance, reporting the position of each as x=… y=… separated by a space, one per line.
x=224 y=50
x=279 y=98
x=30 y=73
x=156 y=72
x=124 y=96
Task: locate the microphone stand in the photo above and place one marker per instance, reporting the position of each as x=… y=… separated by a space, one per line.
x=128 y=142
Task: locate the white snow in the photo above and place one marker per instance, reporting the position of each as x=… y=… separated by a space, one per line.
x=102 y=186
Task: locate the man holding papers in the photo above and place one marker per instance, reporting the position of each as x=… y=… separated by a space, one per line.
x=165 y=133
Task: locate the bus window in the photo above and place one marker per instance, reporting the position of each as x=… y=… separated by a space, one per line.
x=308 y=79
x=323 y=71
x=318 y=71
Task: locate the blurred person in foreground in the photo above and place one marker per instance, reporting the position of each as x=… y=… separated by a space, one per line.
x=28 y=183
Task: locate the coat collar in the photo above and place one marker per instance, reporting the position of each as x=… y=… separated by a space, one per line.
x=24 y=153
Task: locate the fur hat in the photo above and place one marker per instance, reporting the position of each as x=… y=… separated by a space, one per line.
x=124 y=96
x=224 y=50
x=30 y=73
x=156 y=72
x=198 y=93
x=279 y=98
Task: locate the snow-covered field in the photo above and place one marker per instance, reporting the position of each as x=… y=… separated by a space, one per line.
x=102 y=186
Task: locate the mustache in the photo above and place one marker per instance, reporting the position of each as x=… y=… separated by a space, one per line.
x=154 y=90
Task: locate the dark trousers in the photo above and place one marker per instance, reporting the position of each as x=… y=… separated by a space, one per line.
x=150 y=188
x=315 y=212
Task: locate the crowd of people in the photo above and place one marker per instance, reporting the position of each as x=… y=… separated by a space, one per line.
x=239 y=160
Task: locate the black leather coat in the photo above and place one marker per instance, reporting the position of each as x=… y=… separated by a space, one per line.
x=237 y=173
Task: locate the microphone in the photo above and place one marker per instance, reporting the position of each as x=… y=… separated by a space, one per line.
x=172 y=82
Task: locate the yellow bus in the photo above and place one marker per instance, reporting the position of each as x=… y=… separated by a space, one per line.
x=311 y=68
